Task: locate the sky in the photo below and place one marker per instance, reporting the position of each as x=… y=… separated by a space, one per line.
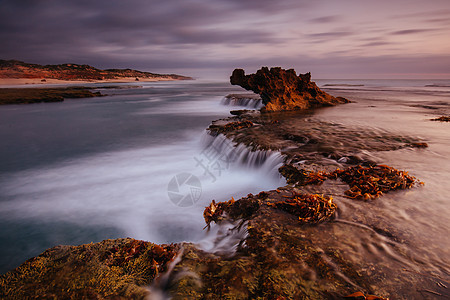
x=209 y=38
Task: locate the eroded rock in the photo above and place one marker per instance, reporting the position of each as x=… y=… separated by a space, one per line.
x=283 y=90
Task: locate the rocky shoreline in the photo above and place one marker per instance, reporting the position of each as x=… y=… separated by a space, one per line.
x=38 y=95
x=291 y=245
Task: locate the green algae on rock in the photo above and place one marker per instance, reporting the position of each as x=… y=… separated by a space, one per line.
x=119 y=269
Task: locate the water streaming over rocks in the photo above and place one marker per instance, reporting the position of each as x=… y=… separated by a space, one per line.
x=73 y=186
x=86 y=170
x=266 y=162
x=247 y=101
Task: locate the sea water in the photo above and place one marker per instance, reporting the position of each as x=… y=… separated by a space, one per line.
x=139 y=163
x=418 y=217
x=86 y=170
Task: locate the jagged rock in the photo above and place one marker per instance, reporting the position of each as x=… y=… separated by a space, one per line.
x=283 y=90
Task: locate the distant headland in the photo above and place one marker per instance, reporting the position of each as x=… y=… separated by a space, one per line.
x=18 y=72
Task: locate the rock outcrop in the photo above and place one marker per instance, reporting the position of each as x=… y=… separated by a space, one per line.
x=283 y=90
x=36 y=95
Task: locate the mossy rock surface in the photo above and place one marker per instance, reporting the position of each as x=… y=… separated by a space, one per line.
x=120 y=268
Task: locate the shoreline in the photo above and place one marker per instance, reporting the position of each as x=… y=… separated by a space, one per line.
x=278 y=256
x=297 y=267
x=33 y=94
x=38 y=81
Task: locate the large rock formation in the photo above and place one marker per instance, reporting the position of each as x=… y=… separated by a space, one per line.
x=283 y=90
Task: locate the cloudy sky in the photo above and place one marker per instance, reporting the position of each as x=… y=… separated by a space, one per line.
x=209 y=38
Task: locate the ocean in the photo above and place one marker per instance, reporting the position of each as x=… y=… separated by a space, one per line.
x=86 y=170
x=139 y=163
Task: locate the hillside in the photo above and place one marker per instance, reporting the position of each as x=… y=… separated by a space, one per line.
x=14 y=69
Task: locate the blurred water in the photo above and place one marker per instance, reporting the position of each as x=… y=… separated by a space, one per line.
x=89 y=169
x=408 y=230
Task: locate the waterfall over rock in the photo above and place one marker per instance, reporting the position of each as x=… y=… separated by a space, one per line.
x=245 y=100
x=267 y=161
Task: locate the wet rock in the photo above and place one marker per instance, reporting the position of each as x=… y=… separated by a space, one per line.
x=276 y=260
x=36 y=95
x=442 y=119
x=112 y=269
x=419 y=145
x=232 y=126
x=350 y=159
x=296 y=138
x=285 y=253
x=283 y=90
x=309 y=209
x=239 y=112
x=246 y=100
x=364 y=182
x=281 y=256
x=297 y=176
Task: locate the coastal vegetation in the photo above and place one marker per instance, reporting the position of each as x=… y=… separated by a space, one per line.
x=75 y=72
